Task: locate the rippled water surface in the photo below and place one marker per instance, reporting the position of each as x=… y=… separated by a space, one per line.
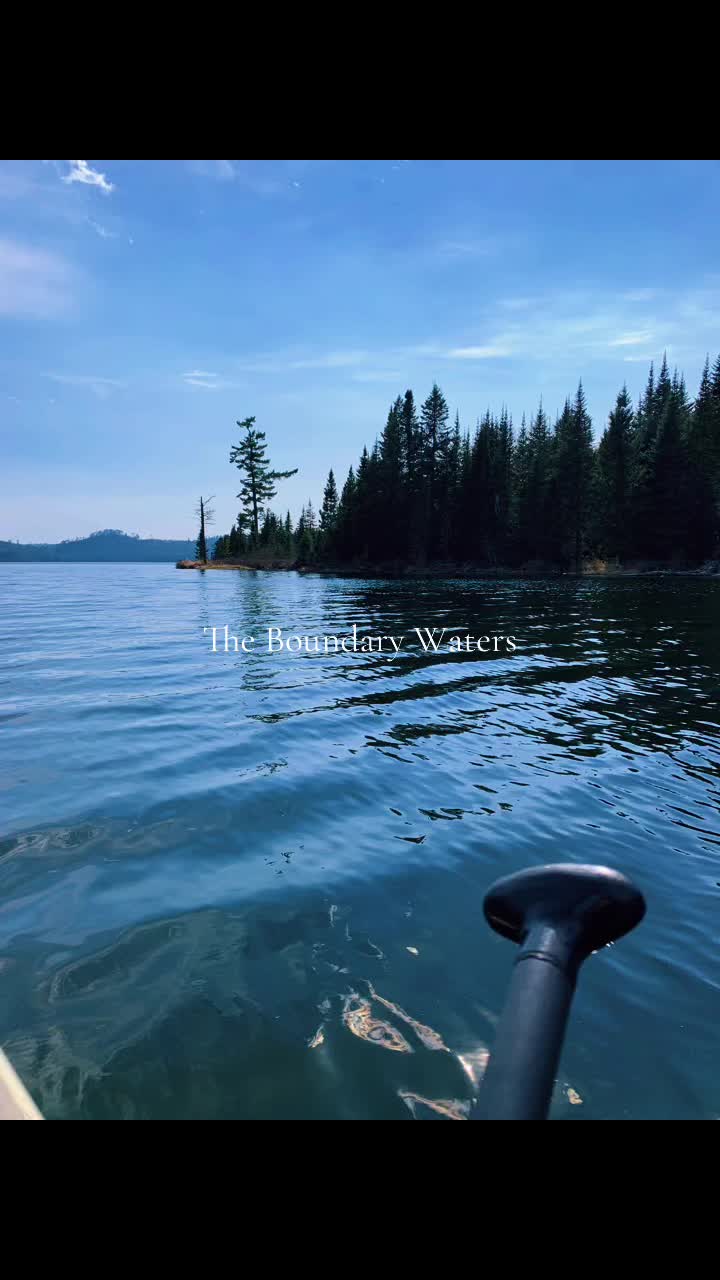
x=250 y=886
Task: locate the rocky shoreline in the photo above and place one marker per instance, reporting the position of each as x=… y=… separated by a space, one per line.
x=592 y=569
x=210 y=564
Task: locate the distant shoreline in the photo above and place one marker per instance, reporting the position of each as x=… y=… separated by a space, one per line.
x=106 y=546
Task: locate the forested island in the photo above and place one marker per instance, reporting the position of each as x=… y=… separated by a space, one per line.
x=429 y=493
x=432 y=495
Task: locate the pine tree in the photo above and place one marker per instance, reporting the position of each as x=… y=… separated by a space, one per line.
x=646 y=512
x=362 y=523
x=271 y=533
x=433 y=423
x=258 y=480
x=539 y=512
x=288 y=535
x=413 y=506
x=614 y=458
x=435 y=441
x=704 y=467
x=641 y=471
x=450 y=496
x=715 y=448
x=667 y=532
x=502 y=483
x=391 y=530
x=481 y=498
x=573 y=475
x=520 y=507
x=462 y=526
x=305 y=534
x=411 y=435
x=663 y=390
x=342 y=541
x=328 y=511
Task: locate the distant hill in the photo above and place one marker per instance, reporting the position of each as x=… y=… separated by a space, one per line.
x=105 y=545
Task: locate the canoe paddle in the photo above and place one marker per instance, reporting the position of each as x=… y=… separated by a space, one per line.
x=558 y=915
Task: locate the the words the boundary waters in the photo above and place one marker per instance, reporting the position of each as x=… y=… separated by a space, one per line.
x=430 y=639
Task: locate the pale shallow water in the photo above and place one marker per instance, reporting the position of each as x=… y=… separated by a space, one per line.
x=251 y=886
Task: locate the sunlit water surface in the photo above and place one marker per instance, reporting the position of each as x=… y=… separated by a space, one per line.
x=251 y=886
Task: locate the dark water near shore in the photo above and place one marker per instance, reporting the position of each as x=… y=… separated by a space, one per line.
x=251 y=886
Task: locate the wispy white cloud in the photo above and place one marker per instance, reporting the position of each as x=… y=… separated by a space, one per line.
x=33 y=282
x=100 y=387
x=33 y=186
x=591 y=324
x=584 y=325
x=579 y=327
x=478 y=353
x=100 y=230
x=205 y=381
x=80 y=171
x=631 y=339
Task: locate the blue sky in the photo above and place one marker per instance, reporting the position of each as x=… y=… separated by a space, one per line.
x=146 y=305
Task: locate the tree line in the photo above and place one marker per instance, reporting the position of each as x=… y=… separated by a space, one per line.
x=429 y=492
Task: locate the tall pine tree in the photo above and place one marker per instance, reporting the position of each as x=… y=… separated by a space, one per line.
x=257 y=486
x=614 y=460
x=573 y=477
x=392 y=530
x=328 y=511
x=704 y=467
x=435 y=440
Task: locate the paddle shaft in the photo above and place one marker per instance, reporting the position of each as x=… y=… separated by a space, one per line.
x=520 y=1076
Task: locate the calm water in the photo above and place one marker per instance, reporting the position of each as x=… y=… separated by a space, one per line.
x=251 y=886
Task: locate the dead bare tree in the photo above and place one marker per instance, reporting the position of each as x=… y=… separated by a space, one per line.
x=206 y=516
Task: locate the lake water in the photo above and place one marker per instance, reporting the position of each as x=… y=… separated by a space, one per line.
x=250 y=886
